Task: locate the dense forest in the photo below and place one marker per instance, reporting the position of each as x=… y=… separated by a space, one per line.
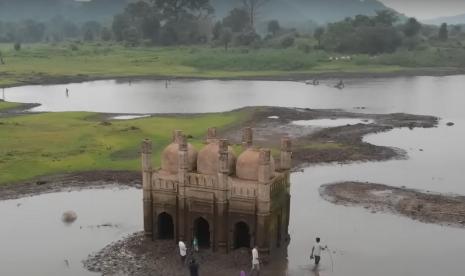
x=197 y=22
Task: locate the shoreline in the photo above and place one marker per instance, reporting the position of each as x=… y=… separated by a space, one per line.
x=311 y=145
x=42 y=79
x=426 y=207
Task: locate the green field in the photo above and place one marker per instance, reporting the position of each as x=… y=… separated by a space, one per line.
x=44 y=144
x=8 y=105
x=42 y=63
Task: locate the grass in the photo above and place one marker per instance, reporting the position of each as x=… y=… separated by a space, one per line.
x=50 y=143
x=35 y=62
x=8 y=105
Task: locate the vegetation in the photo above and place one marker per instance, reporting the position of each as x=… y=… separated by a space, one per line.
x=42 y=63
x=36 y=145
x=7 y=105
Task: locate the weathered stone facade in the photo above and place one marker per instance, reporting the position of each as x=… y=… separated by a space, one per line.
x=223 y=201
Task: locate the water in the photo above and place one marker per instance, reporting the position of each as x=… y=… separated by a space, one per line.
x=325 y=123
x=418 y=95
x=366 y=244
x=34 y=240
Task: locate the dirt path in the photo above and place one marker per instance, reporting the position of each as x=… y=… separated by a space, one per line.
x=423 y=206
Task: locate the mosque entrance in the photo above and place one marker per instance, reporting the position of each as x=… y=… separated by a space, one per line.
x=165 y=227
x=202 y=232
x=241 y=235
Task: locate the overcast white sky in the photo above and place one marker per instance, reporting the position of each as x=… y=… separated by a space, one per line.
x=426 y=9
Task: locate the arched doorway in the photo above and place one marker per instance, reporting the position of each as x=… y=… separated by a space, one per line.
x=202 y=232
x=241 y=235
x=165 y=227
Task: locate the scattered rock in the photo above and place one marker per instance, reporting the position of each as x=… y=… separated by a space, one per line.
x=450 y=124
x=41 y=182
x=69 y=217
x=105 y=123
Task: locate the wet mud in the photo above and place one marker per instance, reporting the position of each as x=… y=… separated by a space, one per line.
x=423 y=206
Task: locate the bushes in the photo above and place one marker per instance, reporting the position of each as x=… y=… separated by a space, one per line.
x=262 y=60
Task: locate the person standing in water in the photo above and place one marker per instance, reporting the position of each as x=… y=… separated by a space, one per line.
x=316 y=251
x=182 y=251
x=255 y=261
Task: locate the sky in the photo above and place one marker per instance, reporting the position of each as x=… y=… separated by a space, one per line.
x=427 y=9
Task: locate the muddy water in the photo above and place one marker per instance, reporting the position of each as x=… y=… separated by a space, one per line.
x=34 y=240
x=416 y=95
x=382 y=244
x=364 y=244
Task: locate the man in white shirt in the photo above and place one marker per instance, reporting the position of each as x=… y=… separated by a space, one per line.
x=316 y=251
x=255 y=260
x=182 y=251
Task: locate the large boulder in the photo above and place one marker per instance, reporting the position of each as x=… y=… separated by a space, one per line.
x=69 y=217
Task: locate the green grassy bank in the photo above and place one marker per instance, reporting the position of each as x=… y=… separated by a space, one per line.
x=7 y=105
x=50 y=143
x=42 y=63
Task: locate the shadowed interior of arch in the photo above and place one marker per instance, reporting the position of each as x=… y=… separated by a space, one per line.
x=202 y=232
x=165 y=227
x=241 y=235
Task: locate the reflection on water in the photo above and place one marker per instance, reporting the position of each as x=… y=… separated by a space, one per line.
x=34 y=240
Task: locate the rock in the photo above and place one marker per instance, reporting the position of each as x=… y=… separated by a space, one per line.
x=105 y=123
x=450 y=124
x=41 y=182
x=69 y=216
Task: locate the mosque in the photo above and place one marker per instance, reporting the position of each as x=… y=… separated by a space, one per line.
x=223 y=201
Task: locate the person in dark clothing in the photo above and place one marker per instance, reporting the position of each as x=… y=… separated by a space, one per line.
x=194 y=268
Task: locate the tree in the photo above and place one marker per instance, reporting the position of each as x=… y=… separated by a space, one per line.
x=253 y=8
x=274 y=27
x=106 y=34
x=175 y=9
x=226 y=37
x=132 y=36
x=17 y=46
x=216 y=31
x=412 y=27
x=385 y=17
x=91 y=30
x=443 y=32
x=120 y=23
x=318 y=34
x=237 y=20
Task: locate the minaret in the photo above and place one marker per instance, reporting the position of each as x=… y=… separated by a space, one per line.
x=286 y=154
x=247 y=138
x=211 y=135
x=183 y=167
x=146 y=152
x=264 y=200
x=222 y=197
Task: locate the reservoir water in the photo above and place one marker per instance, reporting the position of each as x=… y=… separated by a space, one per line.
x=363 y=243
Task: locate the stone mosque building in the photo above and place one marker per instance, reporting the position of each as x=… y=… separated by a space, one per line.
x=226 y=202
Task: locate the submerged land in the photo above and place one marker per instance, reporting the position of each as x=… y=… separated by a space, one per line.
x=419 y=205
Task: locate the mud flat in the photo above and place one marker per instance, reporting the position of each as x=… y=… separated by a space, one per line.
x=418 y=205
x=139 y=256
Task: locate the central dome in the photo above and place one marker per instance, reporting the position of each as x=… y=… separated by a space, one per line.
x=208 y=158
x=248 y=163
x=170 y=157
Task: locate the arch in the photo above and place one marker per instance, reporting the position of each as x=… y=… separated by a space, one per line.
x=165 y=226
x=202 y=232
x=241 y=235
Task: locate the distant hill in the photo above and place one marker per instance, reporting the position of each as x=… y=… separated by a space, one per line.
x=320 y=11
x=455 y=20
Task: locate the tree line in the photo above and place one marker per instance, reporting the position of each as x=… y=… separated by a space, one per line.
x=188 y=22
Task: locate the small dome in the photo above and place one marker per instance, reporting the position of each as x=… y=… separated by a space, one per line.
x=207 y=161
x=170 y=156
x=247 y=165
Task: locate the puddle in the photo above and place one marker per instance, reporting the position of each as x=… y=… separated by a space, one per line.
x=129 y=117
x=325 y=123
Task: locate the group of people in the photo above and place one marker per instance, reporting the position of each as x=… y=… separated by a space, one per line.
x=317 y=249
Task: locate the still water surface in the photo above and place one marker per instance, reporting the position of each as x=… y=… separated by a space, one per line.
x=365 y=244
